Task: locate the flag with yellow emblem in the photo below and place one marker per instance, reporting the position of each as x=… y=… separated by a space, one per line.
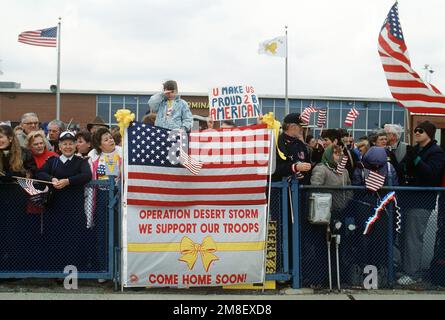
x=275 y=47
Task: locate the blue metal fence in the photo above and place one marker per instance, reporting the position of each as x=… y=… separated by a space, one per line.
x=390 y=250
x=40 y=243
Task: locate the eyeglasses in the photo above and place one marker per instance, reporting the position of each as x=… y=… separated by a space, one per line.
x=419 y=130
x=31 y=123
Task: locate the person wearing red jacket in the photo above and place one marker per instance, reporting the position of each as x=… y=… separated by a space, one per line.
x=36 y=142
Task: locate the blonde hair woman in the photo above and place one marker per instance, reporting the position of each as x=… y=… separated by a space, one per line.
x=37 y=143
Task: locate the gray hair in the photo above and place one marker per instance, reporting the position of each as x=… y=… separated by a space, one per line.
x=27 y=115
x=394 y=129
x=59 y=124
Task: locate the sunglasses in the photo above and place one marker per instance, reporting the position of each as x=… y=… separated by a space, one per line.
x=419 y=130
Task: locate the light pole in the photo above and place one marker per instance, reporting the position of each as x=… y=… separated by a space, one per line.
x=429 y=70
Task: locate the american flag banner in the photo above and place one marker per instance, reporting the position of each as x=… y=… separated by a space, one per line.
x=342 y=165
x=351 y=116
x=306 y=114
x=43 y=37
x=234 y=165
x=374 y=181
x=405 y=84
x=322 y=116
x=202 y=228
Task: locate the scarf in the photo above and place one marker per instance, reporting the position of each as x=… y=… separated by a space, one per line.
x=328 y=158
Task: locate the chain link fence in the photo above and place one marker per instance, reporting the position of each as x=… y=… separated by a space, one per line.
x=406 y=239
x=74 y=227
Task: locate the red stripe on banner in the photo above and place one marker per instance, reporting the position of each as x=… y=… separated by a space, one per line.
x=186 y=178
x=228 y=139
x=251 y=164
x=206 y=191
x=137 y=202
x=228 y=151
x=243 y=128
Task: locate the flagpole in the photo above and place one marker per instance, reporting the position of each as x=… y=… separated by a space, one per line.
x=286 y=99
x=58 y=72
x=408 y=126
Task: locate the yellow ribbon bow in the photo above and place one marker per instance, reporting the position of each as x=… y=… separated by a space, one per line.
x=274 y=125
x=190 y=250
x=123 y=117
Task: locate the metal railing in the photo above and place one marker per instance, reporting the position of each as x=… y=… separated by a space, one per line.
x=76 y=228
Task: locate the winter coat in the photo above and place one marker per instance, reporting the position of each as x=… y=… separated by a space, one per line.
x=375 y=159
x=180 y=117
x=295 y=151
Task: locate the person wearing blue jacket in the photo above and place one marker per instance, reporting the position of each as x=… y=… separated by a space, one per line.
x=375 y=159
x=424 y=166
x=172 y=111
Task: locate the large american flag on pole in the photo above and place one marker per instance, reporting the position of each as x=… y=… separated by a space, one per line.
x=43 y=37
x=234 y=167
x=405 y=84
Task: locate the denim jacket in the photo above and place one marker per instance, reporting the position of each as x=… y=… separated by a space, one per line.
x=181 y=116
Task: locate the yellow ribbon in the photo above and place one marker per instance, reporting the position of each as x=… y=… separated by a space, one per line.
x=275 y=125
x=124 y=117
x=190 y=250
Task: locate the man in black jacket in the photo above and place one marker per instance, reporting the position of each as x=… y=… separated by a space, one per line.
x=295 y=151
x=424 y=165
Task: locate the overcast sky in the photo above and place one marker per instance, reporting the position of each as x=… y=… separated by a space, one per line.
x=135 y=45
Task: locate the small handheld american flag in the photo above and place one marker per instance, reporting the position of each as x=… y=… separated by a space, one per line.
x=352 y=115
x=35 y=195
x=306 y=114
x=321 y=121
x=193 y=165
x=374 y=181
x=342 y=165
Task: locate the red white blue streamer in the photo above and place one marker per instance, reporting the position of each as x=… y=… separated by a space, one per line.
x=387 y=199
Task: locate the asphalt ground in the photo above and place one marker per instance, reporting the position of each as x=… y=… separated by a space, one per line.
x=50 y=289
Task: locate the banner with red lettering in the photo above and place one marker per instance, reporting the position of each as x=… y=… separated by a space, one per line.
x=233 y=102
x=186 y=228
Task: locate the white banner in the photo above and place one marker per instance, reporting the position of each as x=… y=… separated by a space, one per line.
x=233 y=102
x=194 y=246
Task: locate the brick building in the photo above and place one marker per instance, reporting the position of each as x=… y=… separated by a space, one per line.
x=83 y=106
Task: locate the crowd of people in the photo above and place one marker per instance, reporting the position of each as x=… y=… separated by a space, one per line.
x=316 y=162
x=67 y=158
